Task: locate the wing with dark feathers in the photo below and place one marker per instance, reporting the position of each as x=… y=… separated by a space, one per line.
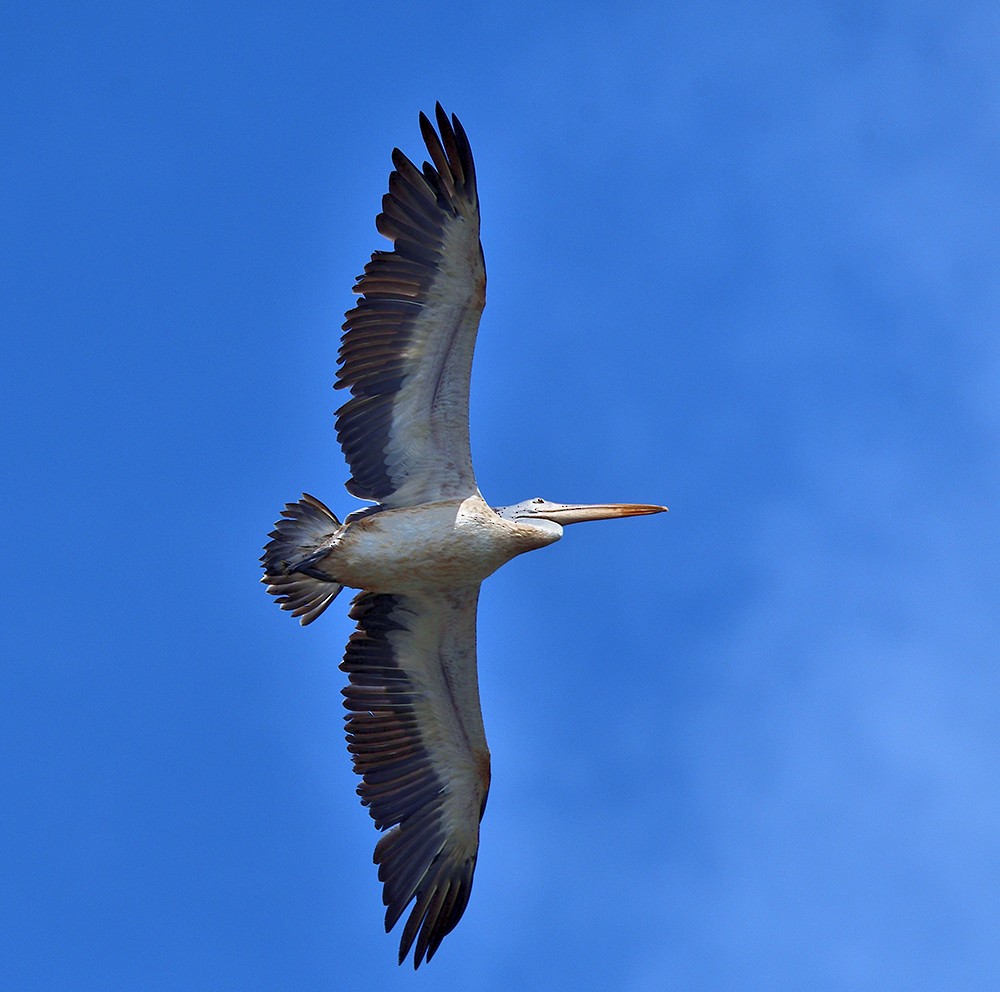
x=415 y=733
x=406 y=354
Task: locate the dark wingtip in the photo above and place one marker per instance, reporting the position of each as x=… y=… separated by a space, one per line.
x=440 y=903
x=426 y=127
x=442 y=117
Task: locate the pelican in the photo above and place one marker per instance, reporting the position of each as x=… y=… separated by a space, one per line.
x=419 y=554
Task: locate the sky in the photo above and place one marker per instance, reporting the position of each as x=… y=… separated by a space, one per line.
x=742 y=261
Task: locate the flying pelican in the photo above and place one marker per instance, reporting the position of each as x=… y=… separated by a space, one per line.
x=414 y=725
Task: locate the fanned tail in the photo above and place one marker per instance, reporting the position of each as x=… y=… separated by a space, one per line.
x=299 y=541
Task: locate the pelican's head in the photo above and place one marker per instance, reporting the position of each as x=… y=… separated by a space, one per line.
x=546 y=520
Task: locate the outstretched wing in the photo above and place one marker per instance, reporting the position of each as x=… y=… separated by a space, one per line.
x=406 y=354
x=415 y=733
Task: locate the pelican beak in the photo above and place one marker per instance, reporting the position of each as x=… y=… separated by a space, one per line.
x=575 y=514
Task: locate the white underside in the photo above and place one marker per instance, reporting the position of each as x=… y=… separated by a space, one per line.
x=442 y=545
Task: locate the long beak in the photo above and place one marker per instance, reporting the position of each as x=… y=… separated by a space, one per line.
x=570 y=514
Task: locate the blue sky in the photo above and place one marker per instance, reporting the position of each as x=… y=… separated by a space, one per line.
x=742 y=260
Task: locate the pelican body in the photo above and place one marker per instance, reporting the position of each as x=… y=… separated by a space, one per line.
x=419 y=554
x=441 y=545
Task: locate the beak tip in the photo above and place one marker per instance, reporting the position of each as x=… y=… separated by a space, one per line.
x=643 y=509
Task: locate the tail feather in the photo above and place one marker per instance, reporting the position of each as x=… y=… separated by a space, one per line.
x=298 y=543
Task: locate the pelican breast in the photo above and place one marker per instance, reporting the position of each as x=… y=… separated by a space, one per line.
x=443 y=545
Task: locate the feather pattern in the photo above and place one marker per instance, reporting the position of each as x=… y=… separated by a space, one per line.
x=406 y=352
x=305 y=527
x=415 y=734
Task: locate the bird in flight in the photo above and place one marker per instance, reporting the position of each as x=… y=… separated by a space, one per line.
x=419 y=554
